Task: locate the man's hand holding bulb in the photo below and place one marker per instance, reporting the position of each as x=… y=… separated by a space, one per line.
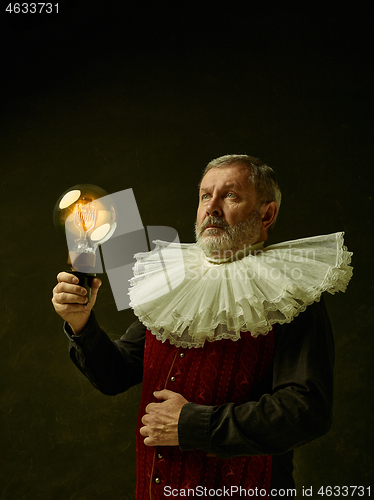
x=70 y=300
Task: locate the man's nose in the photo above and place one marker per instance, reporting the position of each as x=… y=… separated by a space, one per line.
x=214 y=208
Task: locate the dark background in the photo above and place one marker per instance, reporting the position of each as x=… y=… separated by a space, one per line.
x=142 y=95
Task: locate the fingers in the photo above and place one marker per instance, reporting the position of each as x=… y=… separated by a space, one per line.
x=67 y=282
x=65 y=304
x=67 y=277
x=149 y=407
x=144 y=419
x=148 y=440
x=66 y=309
x=66 y=293
x=151 y=431
x=69 y=297
x=159 y=431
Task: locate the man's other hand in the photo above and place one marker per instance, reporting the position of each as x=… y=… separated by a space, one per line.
x=161 y=419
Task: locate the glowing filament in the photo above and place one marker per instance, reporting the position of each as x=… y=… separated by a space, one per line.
x=84 y=216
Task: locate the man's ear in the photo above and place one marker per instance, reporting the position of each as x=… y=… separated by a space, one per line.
x=269 y=213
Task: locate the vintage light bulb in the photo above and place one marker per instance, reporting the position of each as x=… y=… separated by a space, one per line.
x=87 y=216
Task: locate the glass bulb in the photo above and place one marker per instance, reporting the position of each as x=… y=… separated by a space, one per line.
x=87 y=216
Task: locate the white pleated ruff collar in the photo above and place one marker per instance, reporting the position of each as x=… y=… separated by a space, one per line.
x=183 y=297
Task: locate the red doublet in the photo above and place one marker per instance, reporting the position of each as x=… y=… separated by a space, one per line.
x=220 y=372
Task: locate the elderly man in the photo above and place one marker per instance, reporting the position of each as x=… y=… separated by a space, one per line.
x=236 y=361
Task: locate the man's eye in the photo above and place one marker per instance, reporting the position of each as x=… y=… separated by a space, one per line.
x=230 y=195
x=204 y=196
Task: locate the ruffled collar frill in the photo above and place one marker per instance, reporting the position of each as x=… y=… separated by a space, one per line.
x=181 y=296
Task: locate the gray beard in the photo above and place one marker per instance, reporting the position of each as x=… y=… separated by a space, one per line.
x=224 y=244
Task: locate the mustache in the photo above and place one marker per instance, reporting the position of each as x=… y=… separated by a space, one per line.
x=214 y=221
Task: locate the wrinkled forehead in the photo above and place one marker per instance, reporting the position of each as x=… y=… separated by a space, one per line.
x=234 y=176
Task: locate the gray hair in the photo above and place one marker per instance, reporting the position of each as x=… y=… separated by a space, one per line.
x=260 y=175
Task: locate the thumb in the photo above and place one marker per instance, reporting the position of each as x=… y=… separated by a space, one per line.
x=96 y=284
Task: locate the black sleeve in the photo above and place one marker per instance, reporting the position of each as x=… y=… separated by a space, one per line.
x=297 y=410
x=111 y=366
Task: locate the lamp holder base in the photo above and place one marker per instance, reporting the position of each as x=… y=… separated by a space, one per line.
x=84 y=262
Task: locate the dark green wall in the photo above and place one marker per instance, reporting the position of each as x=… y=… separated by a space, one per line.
x=143 y=96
